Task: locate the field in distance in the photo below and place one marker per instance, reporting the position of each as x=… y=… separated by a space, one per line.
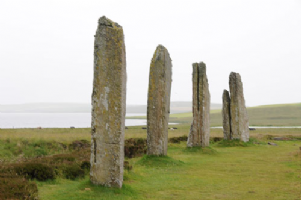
x=224 y=170
x=268 y=115
x=175 y=107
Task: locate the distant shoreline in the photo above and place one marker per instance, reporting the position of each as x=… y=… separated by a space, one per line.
x=175 y=107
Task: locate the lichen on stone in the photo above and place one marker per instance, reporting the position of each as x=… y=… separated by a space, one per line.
x=108 y=105
x=200 y=127
x=158 y=103
x=238 y=110
x=235 y=116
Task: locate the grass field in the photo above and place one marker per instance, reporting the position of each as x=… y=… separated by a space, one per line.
x=244 y=171
x=270 y=115
x=225 y=170
x=67 y=135
x=254 y=172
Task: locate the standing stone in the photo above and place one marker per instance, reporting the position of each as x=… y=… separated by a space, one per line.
x=226 y=116
x=108 y=105
x=158 y=102
x=238 y=111
x=200 y=127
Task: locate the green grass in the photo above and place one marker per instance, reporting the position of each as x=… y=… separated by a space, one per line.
x=237 y=143
x=159 y=161
x=252 y=172
x=16 y=148
x=268 y=115
x=276 y=115
x=66 y=135
x=225 y=170
x=207 y=150
x=280 y=105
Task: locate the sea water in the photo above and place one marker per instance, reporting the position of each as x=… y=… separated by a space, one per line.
x=56 y=120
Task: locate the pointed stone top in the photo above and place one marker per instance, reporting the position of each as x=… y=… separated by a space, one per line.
x=159 y=53
x=161 y=46
x=226 y=91
x=104 y=21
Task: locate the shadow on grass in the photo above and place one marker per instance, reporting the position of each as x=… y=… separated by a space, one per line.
x=159 y=161
x=202 y=150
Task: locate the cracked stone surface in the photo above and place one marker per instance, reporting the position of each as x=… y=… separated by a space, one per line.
x=108 y=105
x=226 y=116
x=239 y=116
x=158 y=102
x=200 y=128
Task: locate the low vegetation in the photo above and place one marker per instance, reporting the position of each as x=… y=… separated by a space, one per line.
x=13 y=186
x=54 y=164
x=271 y=115
x=225 y=170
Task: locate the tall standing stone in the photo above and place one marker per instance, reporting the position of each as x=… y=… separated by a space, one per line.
x=108 y=105
x=226 y=116
x=238 y=111
x=200 y=127
x=158 y=102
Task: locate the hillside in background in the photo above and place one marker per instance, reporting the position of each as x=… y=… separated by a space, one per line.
x=269 y=115
x=176 y=107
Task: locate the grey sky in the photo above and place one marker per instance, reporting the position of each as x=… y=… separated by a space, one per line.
x=46 y=47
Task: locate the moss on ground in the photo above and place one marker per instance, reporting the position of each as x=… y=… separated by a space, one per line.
x=225 y=170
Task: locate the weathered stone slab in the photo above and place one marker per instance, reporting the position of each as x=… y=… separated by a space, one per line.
x=238 y=111
x=158 y=102
x=200 y=127
x=226 y=116
x=108 y=105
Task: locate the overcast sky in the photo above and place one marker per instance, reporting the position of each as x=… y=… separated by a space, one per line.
x=46 y=47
